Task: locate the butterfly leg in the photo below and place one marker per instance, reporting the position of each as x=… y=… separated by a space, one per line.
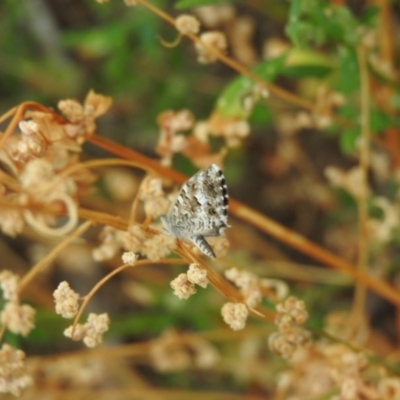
x=203 y=245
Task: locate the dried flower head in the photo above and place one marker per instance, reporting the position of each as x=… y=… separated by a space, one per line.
x=216 y=14
x=274 y=47
x=235 y=315
x=66 y=300
x=72 y=110
x=92 y=331
x=158 y=247
x=279 y=344
x=19 y=319
x=295 y=308
x=346 y=371
x=106 y=251
x=279 y=287
x=352 y=181
x=13 y=377
x=111 y=241
x=171 y=123
x=187 y=24
x=152 y=194
x=32 y=143
x=37 y=175
x=11 y=221
x=129 y=258
x=170 y=352
x=211 y=43
x=182 y=287
x=233 y=130
x=197 y=275
x=382 y=229
x=291 y=315
x=151 y=187
x=9 y=285
x=241 y=40
x=205 y=354
x=248 y=283
x=82 y=117
x=133 y=238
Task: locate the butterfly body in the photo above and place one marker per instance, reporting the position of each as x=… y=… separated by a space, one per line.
x=200 y=210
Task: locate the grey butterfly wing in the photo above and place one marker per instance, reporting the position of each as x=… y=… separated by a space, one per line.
x=201 y=209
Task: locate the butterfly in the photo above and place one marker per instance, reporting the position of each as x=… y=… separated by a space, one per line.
x=200 y=210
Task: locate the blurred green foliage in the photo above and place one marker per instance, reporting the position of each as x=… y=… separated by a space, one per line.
x=118 y=51
x=114 y=50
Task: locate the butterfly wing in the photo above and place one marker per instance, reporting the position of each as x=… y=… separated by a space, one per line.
x=201 y=208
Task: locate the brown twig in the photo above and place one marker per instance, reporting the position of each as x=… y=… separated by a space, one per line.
x=264 y=223
x=274 y=90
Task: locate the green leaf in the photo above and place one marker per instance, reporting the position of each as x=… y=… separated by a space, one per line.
x=96 y=42
x=299 y=28
x=349 y=112
x=370 y=15
x=381 y=121
x=300 y=63
x=319 y=22
x=231 y=101
x=261 y=116
x=348 y=80
x=348 y=140
x=338 y=24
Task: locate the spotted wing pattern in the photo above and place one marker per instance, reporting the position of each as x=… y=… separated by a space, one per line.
x=200 y=210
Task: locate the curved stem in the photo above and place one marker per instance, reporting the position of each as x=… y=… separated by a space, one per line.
x=265 y=224
x=102 y=281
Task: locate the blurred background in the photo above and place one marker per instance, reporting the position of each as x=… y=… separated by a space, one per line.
x=58 y=49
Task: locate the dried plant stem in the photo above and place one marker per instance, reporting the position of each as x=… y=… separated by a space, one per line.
x=135 y=203
x=358 y=317
x=103 y=218
x=51 y=256
x=142 y=348
x=8 y=114
x=270 y=87
x=93 y=164
x=38 y=223
x=306 y=246
x=134 y=156
x=229 y=291
x=9 y=181
x=93 y=291
x=215 y=279
x=387 y=47
x=265 y=224
x=217 y=335
x=100 y=283
x=18 y=113
x=275 y=90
